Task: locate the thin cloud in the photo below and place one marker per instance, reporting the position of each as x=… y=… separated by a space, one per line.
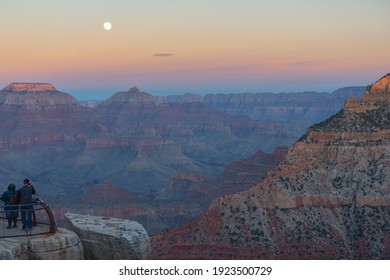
x=163 y=54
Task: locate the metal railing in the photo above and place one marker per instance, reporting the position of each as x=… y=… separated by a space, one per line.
x=42 y=220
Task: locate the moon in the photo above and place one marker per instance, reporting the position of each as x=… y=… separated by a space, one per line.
x=107 y=25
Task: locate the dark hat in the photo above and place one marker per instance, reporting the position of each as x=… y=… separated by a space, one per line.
x=26 y=181
x=11 y=187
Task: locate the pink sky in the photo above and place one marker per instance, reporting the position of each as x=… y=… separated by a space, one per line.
x=194 y=46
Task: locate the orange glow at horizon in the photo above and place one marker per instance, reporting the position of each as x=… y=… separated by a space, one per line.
x=223 y=39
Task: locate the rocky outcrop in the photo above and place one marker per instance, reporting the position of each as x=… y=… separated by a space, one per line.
x=35 y=96
x=30 y=88
x=105 y=238
x=328 y=199
x=132 y=96
x=63 y=245
x=379 y=91
x=375 y=95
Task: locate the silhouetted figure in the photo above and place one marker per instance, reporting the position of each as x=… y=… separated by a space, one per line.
x=11 y=202
x=26 y=207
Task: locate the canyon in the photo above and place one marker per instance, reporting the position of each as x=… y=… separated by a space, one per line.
x=328 y=199
x=137 y=156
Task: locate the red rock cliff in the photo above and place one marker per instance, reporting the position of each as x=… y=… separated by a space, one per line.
x=29 y=88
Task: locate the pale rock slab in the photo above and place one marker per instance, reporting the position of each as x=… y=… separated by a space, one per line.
x=106 y=238
x=63 y=245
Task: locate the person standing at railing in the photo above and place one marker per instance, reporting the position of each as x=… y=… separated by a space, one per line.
x=26 y=207
x=11 y=201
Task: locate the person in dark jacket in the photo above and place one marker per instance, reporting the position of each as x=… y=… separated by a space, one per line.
x=26 y=207
x=10 y=198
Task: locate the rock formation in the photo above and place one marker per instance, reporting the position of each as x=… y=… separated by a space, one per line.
x=30 y=88
x=35 y=96
x=106 y=238
x=63 y=245
x=132 y=96
x=379 y=91
x=87 y=237
x=328 y=199
x=375 y=95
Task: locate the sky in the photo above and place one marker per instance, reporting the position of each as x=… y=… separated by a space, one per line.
x=198 y=46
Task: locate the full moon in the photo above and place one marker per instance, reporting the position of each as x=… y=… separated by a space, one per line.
x=107 y=25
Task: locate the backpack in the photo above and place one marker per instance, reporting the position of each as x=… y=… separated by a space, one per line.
x=14 y=199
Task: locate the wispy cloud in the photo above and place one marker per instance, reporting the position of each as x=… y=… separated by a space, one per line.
x=163 y=54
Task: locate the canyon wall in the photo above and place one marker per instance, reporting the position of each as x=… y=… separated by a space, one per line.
x=328 y=199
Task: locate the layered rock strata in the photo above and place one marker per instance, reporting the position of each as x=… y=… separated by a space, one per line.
x=34 y=96
x=30 y=88
x=328 y=199
x=130 y=140
x=293 y=112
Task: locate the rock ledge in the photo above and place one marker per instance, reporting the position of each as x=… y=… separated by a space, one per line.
x=106 y=238
x=63 y=245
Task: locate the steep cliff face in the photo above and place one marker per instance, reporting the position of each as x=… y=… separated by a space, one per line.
x=329 y=198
